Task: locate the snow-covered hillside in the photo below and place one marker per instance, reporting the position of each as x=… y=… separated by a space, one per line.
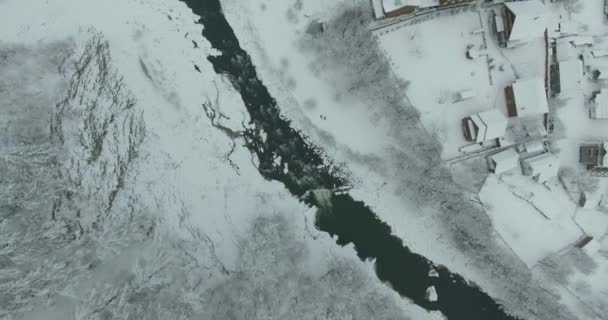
x=126 y=192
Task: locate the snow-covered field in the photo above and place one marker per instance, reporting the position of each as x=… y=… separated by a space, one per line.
x=187 y=227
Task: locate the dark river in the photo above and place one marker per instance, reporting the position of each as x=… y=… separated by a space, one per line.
x=351 y=221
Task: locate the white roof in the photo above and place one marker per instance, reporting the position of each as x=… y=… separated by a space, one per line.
x=565 y=50
x=544 y=166
x=567 y=27
x=570 y=75
x=582 y=40
x=534 y=146
x=491 y=123
x=603 y=73
x=599 y=53
x=378 y=10
x=466 y=94
x=392 y=5
x=601 y=105
x=505 y=160
x=530 y=97
x=500 y=22
x=530 y=19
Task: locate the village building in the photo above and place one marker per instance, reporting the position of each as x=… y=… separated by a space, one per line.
x=519 y=22
x=582 y=41
x=484 y=126
x=564 y=49
x=534 y=147
x=541 y=167
x=593 y=155
x=598 y=53
x=570 y=75
x=599 y=110
x=601 y=73
x=394 y=8
x=503 y=161
x=464 y=95
x=527 y=98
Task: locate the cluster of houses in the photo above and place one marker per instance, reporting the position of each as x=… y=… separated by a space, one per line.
x=515 y=24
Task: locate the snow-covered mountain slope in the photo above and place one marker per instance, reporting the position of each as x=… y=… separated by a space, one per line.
x=127 y=193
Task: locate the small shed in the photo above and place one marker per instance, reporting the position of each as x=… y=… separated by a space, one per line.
x=394 y=8
x=484 y=126
x=527 y=97
x=565 y=50
x=600 y=106
x=464 y=95
x=570 y=75
x=378 y=9
x=503 y=161
x=541 y=167
x=579 y=41
x=534 y=146
x=601 y=73
x=598 y=53
x=567 y=28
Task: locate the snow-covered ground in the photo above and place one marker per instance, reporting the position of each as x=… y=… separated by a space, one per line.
x=199 y=184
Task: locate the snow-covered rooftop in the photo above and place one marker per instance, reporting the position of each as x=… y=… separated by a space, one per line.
x=378 y=9
x=601 y=105
x=541 y=167
x=530 y=97
x=570 y=75
x=392 y=5
x=565 y=50
x=505 y=161
x=530 y=19
x=491 y=123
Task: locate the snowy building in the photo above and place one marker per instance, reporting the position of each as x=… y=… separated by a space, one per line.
x=570 y=73
x=378 y=9
x=534 y=147
x=580 y=41
x=523 y=21
x=527 y=98
x=394 y=8
x=593 y=155
x=564 y=49
x=598 y=53
x=465 y=95
x=599 y=110
x=541 y=167
x=503 y=161
x=601 y=73
x=485 y=126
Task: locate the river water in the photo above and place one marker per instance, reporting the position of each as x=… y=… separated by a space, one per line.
x=350 y=220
